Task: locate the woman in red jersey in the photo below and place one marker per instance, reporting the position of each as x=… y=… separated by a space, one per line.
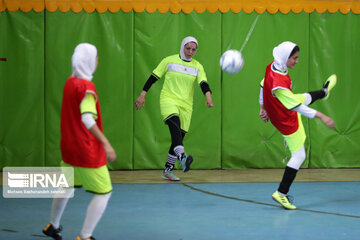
x=83 y=144
x=284 y=109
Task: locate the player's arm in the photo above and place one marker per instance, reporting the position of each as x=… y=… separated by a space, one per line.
x=263 y=114
x=88 y=116
x=291 y=102
x=158 y=72
x=140 y=101
x=204 y=85
x=205 y=88
x=110 y=152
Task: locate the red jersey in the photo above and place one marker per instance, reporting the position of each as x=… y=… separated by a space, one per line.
x=284 y=120
x=79 y=147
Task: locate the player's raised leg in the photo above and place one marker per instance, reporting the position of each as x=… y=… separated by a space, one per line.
x=323 y=93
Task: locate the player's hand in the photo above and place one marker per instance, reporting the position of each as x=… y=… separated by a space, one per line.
x=328 y=121
x=140 y=101
x=209 y=101
x=263 y=114
x=110 y=153
x=325 y=119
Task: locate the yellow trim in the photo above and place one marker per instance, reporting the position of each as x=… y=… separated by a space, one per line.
x=186 y=6
x=88 y=105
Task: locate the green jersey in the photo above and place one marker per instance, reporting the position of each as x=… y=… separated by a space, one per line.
x=180 y=78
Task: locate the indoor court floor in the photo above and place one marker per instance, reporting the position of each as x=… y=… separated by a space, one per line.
x=205 y=204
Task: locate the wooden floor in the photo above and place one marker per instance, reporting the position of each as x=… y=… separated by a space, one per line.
x=250 y=175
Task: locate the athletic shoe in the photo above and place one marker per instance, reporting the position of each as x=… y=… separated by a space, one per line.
x=329 y=84
x=186 y=161
x=169 y=175
x=50 y=231
x=283 y=200
x=90 y=238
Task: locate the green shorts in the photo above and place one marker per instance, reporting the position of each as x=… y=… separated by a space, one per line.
x=297 y=139
x=94 y=180
x=170 y=107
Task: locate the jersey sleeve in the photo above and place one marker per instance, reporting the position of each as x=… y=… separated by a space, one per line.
x=201 y=77
x=287 y=98
x=262 y=83
x=161 y=69
x=88 y=105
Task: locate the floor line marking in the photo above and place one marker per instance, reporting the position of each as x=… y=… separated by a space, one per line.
x=266 y=204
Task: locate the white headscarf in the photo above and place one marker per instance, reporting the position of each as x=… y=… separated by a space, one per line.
x=183 y=43
x=281 y=54
x=84 y=61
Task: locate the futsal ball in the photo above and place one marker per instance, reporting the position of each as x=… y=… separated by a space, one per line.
x=231 y=61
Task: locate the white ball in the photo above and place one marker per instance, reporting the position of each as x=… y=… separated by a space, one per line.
x=231 y=61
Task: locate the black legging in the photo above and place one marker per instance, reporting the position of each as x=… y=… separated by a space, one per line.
x=177 y=134
x=316 y=95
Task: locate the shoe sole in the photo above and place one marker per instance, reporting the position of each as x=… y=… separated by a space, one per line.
x=53 y=237
x=282 y=205
x=163 y=177
x=189 y=161
x=331 y=87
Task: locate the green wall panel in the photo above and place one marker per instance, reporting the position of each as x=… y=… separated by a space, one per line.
x=160 y=35
x=247 y=142
x=22 y=89
x=334 y=48
x=38 y=48
x=112 y=34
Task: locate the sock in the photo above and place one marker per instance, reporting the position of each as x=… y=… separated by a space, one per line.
x=297 y=159
x=179 y=150
x=287 y=180
x=58 y=207
x=316 y=95
x=308 y=99
x=94 y=212
x=169 y=166
x=281 y=194
x=325 y=88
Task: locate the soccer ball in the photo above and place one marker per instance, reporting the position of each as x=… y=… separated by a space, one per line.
x=231 y=61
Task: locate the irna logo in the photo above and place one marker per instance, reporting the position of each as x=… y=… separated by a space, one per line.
x=29 y=180
x=38 y=182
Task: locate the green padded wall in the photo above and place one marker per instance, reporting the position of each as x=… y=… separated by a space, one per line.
x=38 y=48
x=334 y=47
x=22 y=133
x=112 y=34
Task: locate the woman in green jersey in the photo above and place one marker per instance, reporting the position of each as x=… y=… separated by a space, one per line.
x=180 y=72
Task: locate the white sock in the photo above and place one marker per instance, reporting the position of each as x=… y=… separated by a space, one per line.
x=297 y=158
x=179 y=150
x=308 y=99
x=94 y=213
x=281 y=194
x=171 y=161
x=58 y=207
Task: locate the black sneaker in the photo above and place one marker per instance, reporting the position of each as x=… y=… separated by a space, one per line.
x=186 y=161
x=50 y=231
